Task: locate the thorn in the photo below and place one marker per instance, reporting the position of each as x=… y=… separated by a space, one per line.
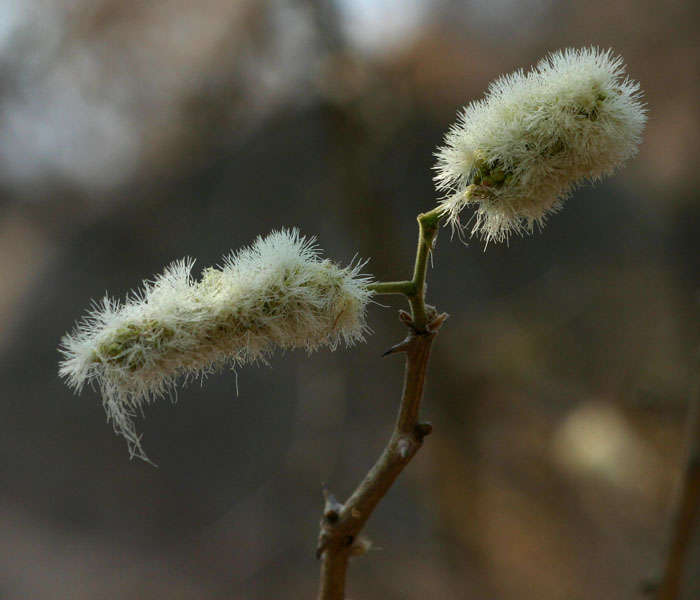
x=422 y=429
x=400 y=347
x=437 y=322
x=404 y=448
x=406 y=318
x=332 y=508
x=361 y=546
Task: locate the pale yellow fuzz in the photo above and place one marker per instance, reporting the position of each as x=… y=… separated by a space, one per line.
x=519 y=152
x=278 y=293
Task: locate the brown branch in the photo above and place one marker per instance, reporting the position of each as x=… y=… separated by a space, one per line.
x=686 y=511
x=341 y=525
x=339 y=538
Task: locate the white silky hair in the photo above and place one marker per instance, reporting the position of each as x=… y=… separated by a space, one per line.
x=574 y=117
x=277 y=293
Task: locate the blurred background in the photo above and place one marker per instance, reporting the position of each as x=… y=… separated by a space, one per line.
x=135 y=133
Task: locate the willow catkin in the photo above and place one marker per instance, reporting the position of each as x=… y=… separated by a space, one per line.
x=519 y=152
x=278 y=293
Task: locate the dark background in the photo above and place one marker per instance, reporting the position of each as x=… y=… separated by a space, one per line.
x=135 y=133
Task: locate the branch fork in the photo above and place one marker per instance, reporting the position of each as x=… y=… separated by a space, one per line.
x=342 y=523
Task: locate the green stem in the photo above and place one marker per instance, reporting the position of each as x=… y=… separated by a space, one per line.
x=428 y=224
x=393 y=287
x=414 y=290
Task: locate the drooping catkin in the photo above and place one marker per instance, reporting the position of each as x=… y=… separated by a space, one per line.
x=277 y=293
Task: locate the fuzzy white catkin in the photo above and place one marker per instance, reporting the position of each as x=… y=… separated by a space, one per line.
x=277 y=293
x=519 y=152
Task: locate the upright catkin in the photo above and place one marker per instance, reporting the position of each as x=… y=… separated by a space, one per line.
x=519 y=152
